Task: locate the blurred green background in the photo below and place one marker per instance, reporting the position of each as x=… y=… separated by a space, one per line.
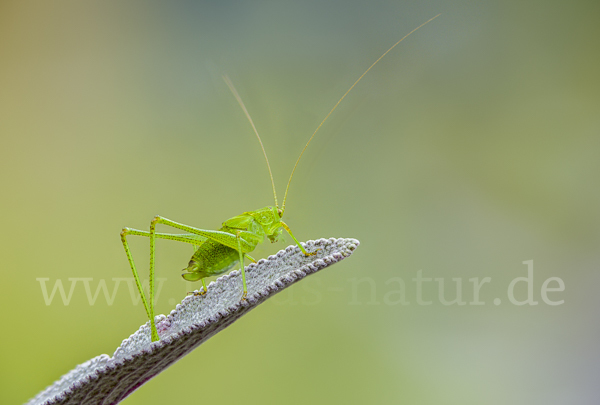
x=471 y=148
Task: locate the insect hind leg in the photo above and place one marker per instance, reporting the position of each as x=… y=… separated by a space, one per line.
x=148 y=307
x=149 y=304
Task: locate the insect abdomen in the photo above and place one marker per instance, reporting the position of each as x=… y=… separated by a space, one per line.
x=210 y=259
x=213 y=258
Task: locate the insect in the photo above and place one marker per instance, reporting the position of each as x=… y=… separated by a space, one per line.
x=218 y=251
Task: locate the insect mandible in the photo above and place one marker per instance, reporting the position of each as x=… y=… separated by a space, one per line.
x=218 y=251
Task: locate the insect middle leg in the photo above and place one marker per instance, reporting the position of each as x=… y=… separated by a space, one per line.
x=236 y=242
x=242 y=264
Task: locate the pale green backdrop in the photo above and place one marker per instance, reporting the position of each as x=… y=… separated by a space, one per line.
x=471 y=148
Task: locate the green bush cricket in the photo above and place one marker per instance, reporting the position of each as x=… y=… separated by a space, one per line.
x=218 y=251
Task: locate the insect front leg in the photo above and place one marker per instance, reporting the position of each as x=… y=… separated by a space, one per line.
x=287 y=228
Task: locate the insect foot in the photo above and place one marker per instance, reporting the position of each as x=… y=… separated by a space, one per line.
x=312 y=253
x=197 y=293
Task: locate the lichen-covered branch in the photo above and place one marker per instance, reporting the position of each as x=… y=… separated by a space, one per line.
x=108 y=380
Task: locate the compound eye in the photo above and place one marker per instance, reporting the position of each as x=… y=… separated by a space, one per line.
x=279 y=212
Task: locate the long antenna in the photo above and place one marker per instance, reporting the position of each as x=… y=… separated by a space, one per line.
x=239 y=100
x=340 y=100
